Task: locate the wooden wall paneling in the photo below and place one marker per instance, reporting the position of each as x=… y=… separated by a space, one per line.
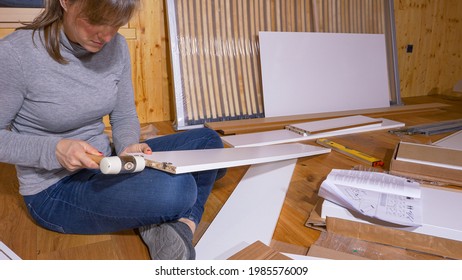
x=454 y=54
x=142 y=70
x=428 y=50
x=5 y=31
x=433 y=28
x=426 y=44
x=13 y=17
x=447 y=31
x=168 y=104
x=412 y=26
x=152 y=103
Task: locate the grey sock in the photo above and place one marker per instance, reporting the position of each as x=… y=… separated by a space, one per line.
x=169 y=241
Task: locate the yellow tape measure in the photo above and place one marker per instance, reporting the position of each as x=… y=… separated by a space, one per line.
x=370 y=160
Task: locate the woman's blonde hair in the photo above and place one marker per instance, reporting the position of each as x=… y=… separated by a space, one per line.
x=97 y=12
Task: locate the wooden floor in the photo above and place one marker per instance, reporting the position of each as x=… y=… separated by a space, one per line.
x=29 y=241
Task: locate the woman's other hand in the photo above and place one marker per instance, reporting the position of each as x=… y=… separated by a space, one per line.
x=138 y=148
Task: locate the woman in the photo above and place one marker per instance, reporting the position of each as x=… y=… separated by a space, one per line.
x=60 y=75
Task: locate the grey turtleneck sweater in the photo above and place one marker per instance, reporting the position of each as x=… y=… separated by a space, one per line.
x=42 y=101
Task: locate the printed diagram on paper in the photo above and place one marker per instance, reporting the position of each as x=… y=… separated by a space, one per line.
x=378 y=195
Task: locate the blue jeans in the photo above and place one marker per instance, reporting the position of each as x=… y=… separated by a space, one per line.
x=89 y=202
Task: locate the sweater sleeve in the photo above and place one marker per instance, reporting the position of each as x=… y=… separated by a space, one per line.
x=15 y=148
x=124 y=119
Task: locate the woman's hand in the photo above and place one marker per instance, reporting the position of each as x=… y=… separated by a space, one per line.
x=137 y=148
x=73 y=154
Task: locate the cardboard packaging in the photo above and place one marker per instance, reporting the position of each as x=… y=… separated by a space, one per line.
x=340 y=247
x=258 y=251
x=376 y=242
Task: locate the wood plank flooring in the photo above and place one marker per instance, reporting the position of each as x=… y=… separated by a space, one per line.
x=28 y=241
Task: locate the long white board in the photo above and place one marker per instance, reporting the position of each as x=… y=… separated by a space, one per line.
x=287 y=136
x=6 y=253
x=250 y=213
x=333 y=124
x=453 y=141
x=308 y=72
x=198 y=160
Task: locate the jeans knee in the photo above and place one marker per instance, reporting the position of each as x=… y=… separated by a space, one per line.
x=182 y=194
x=214 y=139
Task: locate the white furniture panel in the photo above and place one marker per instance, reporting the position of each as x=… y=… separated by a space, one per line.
x=242 y=221
x=307 y=72
x=199 y=160
x=287 y=136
